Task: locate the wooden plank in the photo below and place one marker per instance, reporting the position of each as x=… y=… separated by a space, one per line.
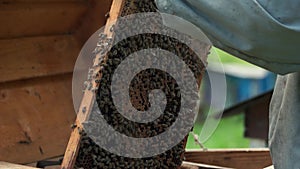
x=241 y=107
x=52 y=161
x=189 y=165
x=31 y=1
x=6 y=165
x=88 y=98
x=34 y=19
x=37 y=56
x=94 y=19
x=36 y=115
x=234 y=158
x=257 y=118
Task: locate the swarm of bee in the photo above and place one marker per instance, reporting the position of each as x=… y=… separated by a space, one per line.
x=93 y=156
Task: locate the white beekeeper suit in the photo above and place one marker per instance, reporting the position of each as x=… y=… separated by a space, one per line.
x=265 y=33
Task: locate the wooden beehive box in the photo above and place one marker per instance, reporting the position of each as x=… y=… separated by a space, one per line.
x=39 y=43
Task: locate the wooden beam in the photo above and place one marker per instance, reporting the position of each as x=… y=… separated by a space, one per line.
x=37 y=56
x=257 y=120
x=88 y=97
x=36 y=116
x=39 y=1
x=241 y=107
x=6 y=165
x=189 y=165
x=36 y=19
x=234 y=158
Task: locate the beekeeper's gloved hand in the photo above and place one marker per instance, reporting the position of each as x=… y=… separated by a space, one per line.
x=263 y=32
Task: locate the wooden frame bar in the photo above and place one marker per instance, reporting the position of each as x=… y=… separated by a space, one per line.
x=88 y=97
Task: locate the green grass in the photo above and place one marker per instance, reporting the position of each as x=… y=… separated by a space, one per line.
x=229 y=134
x=228 y=58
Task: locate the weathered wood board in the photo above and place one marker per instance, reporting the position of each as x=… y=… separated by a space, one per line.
x=35 y=118
x=235 y=158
